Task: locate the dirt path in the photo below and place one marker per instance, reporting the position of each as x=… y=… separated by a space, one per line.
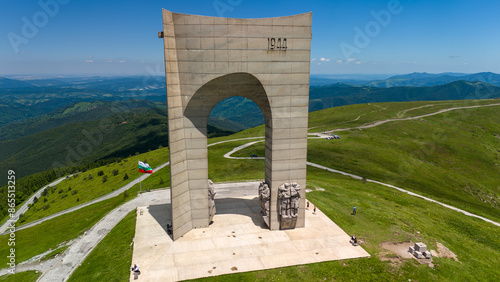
x=105 y=197
x=228 y=155
x=377 y=123
x=24 y=207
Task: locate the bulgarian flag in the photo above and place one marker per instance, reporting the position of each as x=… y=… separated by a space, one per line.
x=144 y=168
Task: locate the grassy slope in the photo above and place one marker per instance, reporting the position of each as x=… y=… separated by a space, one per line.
x=49 y=234
x=453 y=157
x=80 y=189
x=112 y=257
x=26 y=276
x=383 y=215
x=240 y=169
x=432 y=156
x=68 y=144
x=356 y=115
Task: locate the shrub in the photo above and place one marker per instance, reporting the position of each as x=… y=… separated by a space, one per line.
x=45 y=200
x=91 y=177
x=115 y=172
x=69 y=188
x=125 y=177
x=104 y=178
x=45 y=192
x=46 y=206
x=100 y=173
x=35 y=200
x=161 y=180
x=60 y=190
x=64 y=196
x=125 y=194
x=74 y=192
x=78 y=199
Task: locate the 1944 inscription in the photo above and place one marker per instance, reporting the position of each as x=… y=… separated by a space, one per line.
x=278 y=44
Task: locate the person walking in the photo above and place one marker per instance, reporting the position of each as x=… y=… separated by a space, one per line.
x=354 y=210
x=314 y=211
x=307 y=208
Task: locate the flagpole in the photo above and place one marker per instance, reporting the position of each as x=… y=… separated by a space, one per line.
x=140 y=181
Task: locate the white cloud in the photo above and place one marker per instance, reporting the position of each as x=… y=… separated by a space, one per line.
x=313 y=60
x=351 y=59
x=122 y=61
x=339 y=61
x=108 y=61
x=358 y=63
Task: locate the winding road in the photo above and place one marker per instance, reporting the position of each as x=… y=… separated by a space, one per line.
x=60 y=269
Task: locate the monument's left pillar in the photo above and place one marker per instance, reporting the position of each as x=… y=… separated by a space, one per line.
x=188 y=165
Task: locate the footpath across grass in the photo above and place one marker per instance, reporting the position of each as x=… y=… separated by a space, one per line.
x=112 y=257
x=92 y=184
x=50 y=234
x=221 y=169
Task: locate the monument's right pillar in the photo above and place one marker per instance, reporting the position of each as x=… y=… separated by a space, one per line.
x=287 y=88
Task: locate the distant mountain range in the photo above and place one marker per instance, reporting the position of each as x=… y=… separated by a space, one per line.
x=22 y=99
x=427 y=79
x=41 y=119
x=328 y=96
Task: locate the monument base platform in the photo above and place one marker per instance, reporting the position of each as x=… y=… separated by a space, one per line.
x=237 y=241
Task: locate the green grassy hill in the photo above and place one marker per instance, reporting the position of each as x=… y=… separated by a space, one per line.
x=77 y=143
x=453 y=157
x=85 y=132
x=78 y=112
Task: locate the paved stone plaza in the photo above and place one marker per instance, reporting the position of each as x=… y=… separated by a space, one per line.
x=237 y=241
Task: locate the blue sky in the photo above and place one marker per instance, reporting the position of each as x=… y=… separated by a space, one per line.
x=120 y=36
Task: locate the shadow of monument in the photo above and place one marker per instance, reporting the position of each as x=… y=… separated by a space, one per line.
x=240 y=206
x=162 y=215
x=246 y=207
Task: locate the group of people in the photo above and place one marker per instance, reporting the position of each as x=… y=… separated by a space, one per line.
x=314 y=207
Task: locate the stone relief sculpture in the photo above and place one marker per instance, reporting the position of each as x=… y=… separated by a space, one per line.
x=211 y=201
x=264 y=197
x=288 y=201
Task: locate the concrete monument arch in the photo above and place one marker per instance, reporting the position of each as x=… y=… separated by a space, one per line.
x=208 y=59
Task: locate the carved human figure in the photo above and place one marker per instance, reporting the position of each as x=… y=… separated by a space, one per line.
x=264 y=196
x=295 y=197
x=211 y=200
x=284 y=197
